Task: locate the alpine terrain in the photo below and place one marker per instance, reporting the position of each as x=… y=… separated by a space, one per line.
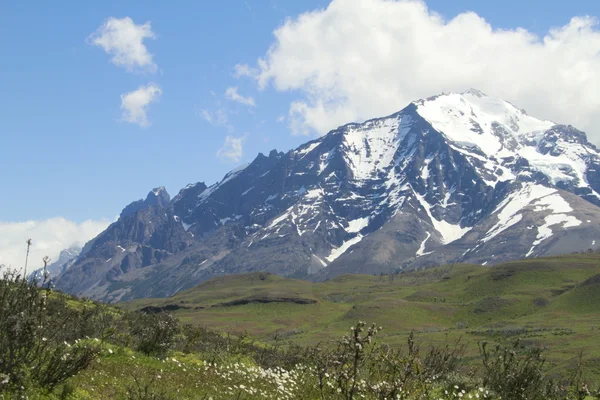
x=459 y=177
x=66 y=258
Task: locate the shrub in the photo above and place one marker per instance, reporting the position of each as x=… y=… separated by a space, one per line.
x=440 y=362
x=154 y=333
x=31 y=349
x=349 y=357
x=142 y=389
x=514 y=372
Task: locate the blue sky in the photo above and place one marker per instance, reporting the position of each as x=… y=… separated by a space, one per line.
x=69 y=151
x=70 y=154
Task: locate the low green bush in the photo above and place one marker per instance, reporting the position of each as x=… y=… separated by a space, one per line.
x=32 y=349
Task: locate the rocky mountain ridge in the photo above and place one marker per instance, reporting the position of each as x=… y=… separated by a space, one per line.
x=460 y=177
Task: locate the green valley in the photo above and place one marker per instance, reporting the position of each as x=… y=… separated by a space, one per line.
x=549 y=302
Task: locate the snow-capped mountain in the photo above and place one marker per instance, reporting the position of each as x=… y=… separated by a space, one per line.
x=460 y=177
x=65 y=260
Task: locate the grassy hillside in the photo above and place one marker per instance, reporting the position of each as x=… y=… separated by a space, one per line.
x=305 y=342
x=548 y=302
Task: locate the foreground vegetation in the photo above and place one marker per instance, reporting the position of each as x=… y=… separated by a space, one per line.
x=552 y=303
x=54 y=346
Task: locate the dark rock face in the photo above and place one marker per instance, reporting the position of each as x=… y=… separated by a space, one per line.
x=156 y=198
x=138 y=239
x=454 y=178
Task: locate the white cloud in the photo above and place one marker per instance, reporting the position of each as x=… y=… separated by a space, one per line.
x=216 y=118
x=232 y=94
x=233 y=149
x=135 y=104
x=358 y=59
x=245 y=70
x=123 y=40
x=48 y=238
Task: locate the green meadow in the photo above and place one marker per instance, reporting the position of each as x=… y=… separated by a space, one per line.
x=552 y=302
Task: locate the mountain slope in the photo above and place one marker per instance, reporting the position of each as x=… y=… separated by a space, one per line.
x=145 y=234
x=453 y=178
x=66 y=259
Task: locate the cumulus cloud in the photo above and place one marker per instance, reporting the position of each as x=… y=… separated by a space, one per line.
x=233 y=149
x=232 y=94
x=135 y=104
x=123 y=40
x=48 y=238
x=358 y=59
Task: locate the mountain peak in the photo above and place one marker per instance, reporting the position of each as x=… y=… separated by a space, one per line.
x=475 y=120
x=157 y=197
x=474 y=92
x=157 y=191
x=274 y=154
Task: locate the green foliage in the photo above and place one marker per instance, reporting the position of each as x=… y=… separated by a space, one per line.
x=54 y=346
x=154 y=333
x=146 y=389
x=359 y=367
x=32 y=349
x=539 y=300
x=515 y=372
x=348 y=360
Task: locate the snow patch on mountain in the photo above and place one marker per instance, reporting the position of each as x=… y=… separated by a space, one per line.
x=568 y=166
x=421 y=250
x=158 y=190
x=336 y=252
x=280 y=218
x=229 y=176
x=448 y=232
x=324 y=161
x=225 y=220
x=320 y=260
x=310 y=147
x=314 y=193
x=509 y=210
x=425 y=169
x=369 y=149
x=356 y=225
x=559 y=209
